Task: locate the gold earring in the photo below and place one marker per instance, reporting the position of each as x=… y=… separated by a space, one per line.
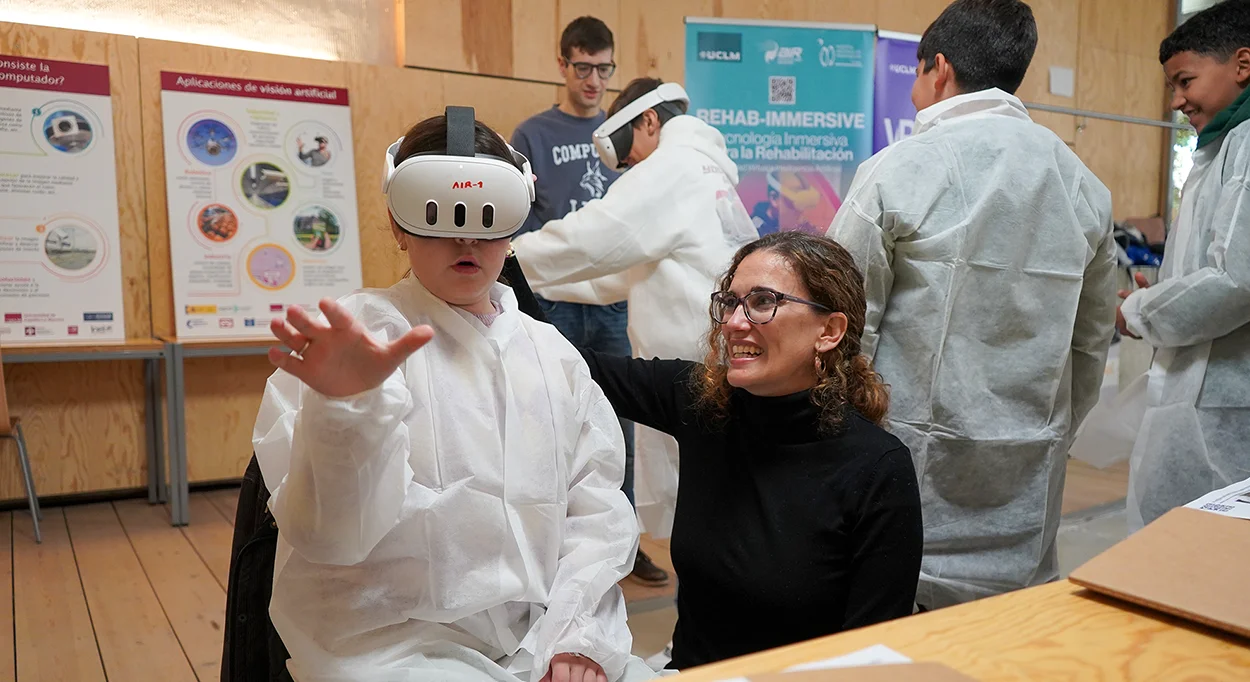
x=821 y=370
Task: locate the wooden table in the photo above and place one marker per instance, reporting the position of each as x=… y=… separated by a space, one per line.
x=1053 y=632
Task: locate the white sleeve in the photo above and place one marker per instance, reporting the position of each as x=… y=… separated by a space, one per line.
x=598 y=291
x=858 y=227
x=1095 y=317
x=636 y=222
x=338 y=468
x=586 y=609
x=1207 y=303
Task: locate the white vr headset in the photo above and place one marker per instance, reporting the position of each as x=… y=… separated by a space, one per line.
x=458 y=193
x=614 y=138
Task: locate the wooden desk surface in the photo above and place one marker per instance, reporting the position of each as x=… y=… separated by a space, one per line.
x=81 y=347
x=1053 y=632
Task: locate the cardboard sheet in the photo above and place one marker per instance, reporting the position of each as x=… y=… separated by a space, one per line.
x=1188 y=563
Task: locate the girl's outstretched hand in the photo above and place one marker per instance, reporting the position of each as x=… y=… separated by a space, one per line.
x=574 y=668
x=337 y=357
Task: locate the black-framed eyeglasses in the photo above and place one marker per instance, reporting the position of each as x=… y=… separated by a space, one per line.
x=760 y=305
x=583 y=69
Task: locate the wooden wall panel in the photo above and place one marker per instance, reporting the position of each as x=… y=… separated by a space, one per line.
x=535 y=39
x=385 y=103
x=908 y=16
x=435 y=36
x=1126 y=26
x=1057 y=46
x=121 y=54
x=508 y=38
x=1117 y=75
x=83 y=424
x=828 y=11
x=652 y=37
x=223 y=396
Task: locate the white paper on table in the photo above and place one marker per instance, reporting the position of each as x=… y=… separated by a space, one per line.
x=1232 y=501
x=879 y=654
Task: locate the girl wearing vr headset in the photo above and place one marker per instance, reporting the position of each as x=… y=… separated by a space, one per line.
x=453 y=513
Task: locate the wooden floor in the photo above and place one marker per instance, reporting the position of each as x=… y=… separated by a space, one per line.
x=116 y=593
x=1089 y=488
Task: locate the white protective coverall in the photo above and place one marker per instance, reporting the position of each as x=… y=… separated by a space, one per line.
x=987 y=250
x=1195 y=435
x=661 y=237
x=463 y=521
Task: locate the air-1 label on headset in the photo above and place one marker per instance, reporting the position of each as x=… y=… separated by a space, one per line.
x=468 y=184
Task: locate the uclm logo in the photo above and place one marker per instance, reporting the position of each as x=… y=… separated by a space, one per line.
x=468 y=184
x=719 y=47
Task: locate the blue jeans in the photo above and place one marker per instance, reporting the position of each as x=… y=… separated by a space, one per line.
x=598 y=328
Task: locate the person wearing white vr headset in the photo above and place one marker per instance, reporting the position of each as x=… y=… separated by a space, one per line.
x=659 y=237
x=454 y=513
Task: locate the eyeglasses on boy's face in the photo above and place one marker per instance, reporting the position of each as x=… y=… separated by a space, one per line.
x=760 y=306
x=583 y=69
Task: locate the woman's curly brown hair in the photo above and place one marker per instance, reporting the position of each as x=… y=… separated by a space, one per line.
x=831 y=278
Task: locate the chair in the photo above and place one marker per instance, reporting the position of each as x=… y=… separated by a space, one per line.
x=11 y=428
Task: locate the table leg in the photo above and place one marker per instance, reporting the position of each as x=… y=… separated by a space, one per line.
x=149 y=434
x=178 y=492
x=158 y=430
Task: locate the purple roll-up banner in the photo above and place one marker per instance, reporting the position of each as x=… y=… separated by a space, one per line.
x=895 y=73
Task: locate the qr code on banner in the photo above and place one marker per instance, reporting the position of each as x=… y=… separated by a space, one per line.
x=781 y=89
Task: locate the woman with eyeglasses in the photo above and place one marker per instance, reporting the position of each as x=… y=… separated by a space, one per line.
x=797 y=515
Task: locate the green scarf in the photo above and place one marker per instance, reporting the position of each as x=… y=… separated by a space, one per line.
x=1237 y=113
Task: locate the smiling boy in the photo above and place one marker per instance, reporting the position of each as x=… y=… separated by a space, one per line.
x=1193 y=436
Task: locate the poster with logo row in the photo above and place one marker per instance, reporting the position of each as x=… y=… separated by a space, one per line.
x=896 y=73
x=60 y=244
x=795 y=103
x=261 y=188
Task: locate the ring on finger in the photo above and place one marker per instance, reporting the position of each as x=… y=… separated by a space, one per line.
x=301 y=351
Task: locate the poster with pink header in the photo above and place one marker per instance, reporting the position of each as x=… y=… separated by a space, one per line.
x=261 y=188
x=60 y=245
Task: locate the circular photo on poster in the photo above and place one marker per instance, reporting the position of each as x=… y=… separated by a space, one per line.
x=212 y=142
x=317 y=229
x=218 y=223
x=313 y=144
x=68 y=131
x=270 y=266
x=265 y=185
x=71 y=247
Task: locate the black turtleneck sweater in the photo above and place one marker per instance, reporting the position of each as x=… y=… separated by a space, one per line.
x=782 y=534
